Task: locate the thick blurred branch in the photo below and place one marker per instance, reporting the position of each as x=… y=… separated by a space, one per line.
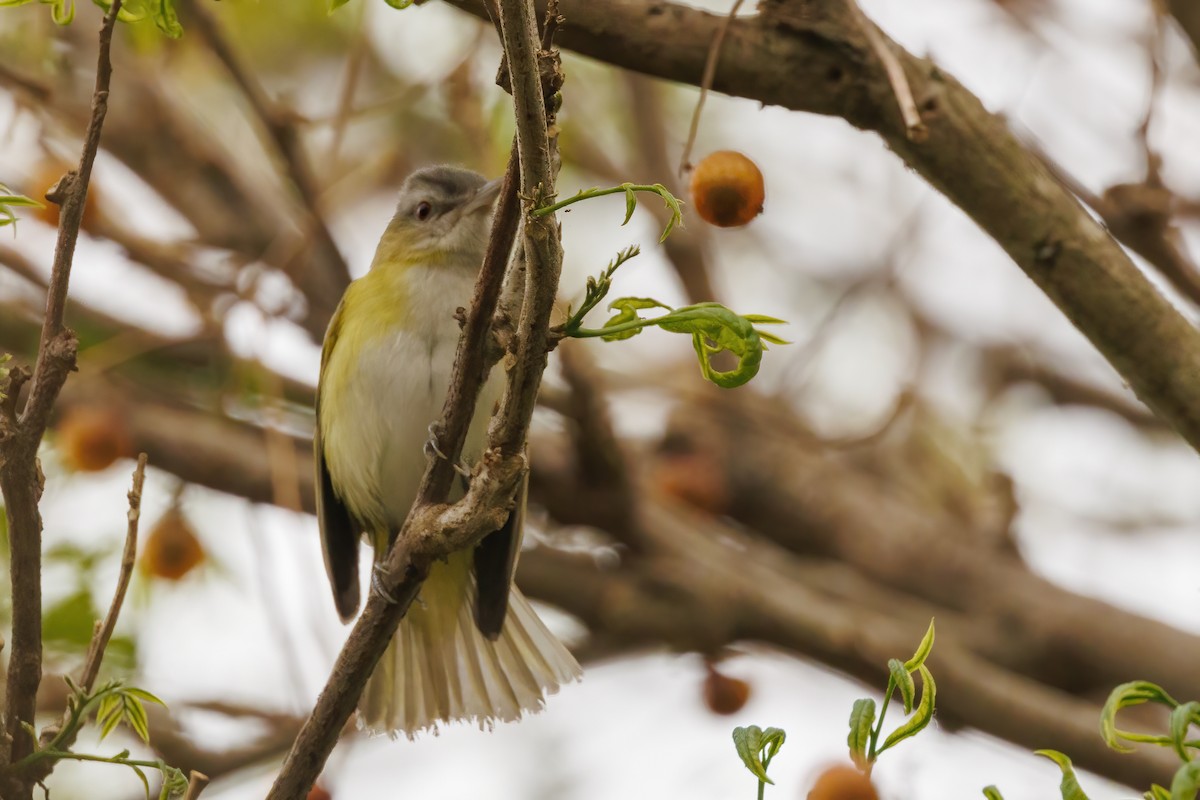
x=1187 y=14
x=706 y=585
x=803 y=58
x=20 y=474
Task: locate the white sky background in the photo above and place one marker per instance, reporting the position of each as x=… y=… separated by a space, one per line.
x=836 y=201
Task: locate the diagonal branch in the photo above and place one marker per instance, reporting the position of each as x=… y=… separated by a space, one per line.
x=434 y=531
x=20 y=475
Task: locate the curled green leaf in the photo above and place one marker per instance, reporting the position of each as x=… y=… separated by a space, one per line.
x=1186 y=783
x=921 y=717
x=902 y=679
x=1131 y=694
x=630 y=204
x=992 y=793
x=862 y=717
x=1069 y=787
x=756 y=747
x=923 y=650
x=1182 y=719
x=61 y=11
x=714 y=328
x=1156 y=793
x=627 y=308
x=400 y=4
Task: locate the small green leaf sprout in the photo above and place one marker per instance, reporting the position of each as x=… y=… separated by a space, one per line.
x=61 y=11
x=630 y=190
x=756 y=747
x=1185 y=785
x=865 y=728
x=162 y=12
x=712 y=326
x=8 y=199
x=111 y=705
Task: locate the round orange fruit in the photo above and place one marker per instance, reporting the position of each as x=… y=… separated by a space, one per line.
x=91 y=438
x=172 y=549
x=727 y=189
x=723 y=694
x=842 y=782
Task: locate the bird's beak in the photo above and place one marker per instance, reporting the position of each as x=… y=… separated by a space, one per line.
x=484 y=197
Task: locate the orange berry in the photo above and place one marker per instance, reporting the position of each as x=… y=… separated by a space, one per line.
x=842 y=782
x=723 y=694
x=693 y=476
x=319 y=792
x=727 y=189
x=172 y=549
x=91 y=438
x=48 y=174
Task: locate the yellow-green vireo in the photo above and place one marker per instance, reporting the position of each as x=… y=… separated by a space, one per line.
x=470 y=647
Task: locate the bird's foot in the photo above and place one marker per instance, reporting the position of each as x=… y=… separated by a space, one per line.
x=432 y=449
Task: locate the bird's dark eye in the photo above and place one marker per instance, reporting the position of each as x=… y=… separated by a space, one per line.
x=424 y=210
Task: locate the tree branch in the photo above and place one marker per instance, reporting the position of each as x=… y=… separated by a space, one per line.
x=433 y=531
x=20 y=475
x=822 y=65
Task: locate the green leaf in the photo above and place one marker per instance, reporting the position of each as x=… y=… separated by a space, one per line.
x=70 y=622
x=9 y=200
x=145 y=781
x=676 y=207
x=921 y=717
x=714 y=328
x=167 y=20
x=902 y=680
x=862 y=717
x=1070 y=788
x=923 y=650
x=334 y=5
x=992 y=793
x=1186 y=783
x=627 y=308
x=1156 y=793
x=1182 y=718
x=135 y=716
x=400 y=4
x=1131 y=694
x=630 y=204
x=756 y=746
x=142 y=694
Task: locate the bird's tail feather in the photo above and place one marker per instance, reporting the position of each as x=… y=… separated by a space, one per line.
x=440 y=668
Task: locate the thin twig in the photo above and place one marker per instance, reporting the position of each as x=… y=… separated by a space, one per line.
x=95 y=654
x=104 y=629
x=914 y=128
x=354 y=62
x=196 y=783
x=710 y=71
x=20 y=478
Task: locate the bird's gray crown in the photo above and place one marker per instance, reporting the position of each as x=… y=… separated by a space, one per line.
x=445 y=183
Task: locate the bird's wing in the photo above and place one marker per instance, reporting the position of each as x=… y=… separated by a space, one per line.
x=495 y=563
x=339 y=534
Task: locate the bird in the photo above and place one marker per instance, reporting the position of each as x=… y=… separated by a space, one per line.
x=470 y=647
